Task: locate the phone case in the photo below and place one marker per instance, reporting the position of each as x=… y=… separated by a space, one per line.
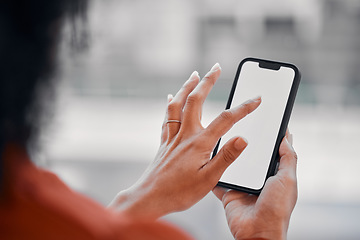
x=284 y=123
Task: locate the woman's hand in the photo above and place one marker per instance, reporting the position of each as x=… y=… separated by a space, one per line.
x=183 y=172
x=265 y=216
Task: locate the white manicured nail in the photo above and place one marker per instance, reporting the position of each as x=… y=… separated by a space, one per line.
x=215 y=67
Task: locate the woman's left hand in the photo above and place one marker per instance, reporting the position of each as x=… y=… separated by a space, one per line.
x=183 y=171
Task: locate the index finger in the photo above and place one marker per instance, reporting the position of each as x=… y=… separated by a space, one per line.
x=220 y=125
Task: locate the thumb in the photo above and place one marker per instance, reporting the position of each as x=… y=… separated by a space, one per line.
x=227 y=154
x=219 y=192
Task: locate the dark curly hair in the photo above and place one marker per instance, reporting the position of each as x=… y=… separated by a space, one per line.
x=29 y=32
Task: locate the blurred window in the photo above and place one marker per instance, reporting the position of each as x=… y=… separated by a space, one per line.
x=280 y=25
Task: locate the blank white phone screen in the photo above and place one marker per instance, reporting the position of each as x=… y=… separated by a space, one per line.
x=262 y=126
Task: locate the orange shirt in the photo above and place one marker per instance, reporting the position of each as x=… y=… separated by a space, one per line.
x=38 y=205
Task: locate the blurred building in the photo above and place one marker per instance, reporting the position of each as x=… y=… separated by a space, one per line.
x=142 y=48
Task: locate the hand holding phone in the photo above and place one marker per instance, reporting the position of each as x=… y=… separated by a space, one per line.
x=277 y=84
x=266 y=216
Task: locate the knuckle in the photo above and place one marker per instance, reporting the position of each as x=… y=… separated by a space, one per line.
x=174 y=106
x=287 y=183
x=227 y=116
x=228 y=155
x=295 y=156
x=292 y=155
x=197 y=144
x=290 y=180
x=193 y=98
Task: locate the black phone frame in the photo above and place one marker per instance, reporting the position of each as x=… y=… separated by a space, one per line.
x=274 y=65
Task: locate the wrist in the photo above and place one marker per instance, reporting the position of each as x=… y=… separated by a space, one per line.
x=267 y=237
x=273 y=235
x=137 y=202
x=263 y=233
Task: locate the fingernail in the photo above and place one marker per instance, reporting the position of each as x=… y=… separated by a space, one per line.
x=169 y=97
x=257 y=99
x=195 y=74
x=215 y=67
x=291 y=139
x=289 y=144
x=241 y=143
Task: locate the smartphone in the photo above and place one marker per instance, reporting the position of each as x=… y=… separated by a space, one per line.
x=277 y=84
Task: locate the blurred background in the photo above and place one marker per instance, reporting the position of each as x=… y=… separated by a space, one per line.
x=112 y=97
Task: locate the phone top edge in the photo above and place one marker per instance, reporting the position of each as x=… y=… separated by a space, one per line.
x=260 y=60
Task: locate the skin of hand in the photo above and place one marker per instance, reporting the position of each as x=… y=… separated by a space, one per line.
x=265 y=216
x=183 y=172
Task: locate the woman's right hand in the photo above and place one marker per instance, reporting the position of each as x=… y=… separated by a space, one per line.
x=265 y=216
x=183 y=172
